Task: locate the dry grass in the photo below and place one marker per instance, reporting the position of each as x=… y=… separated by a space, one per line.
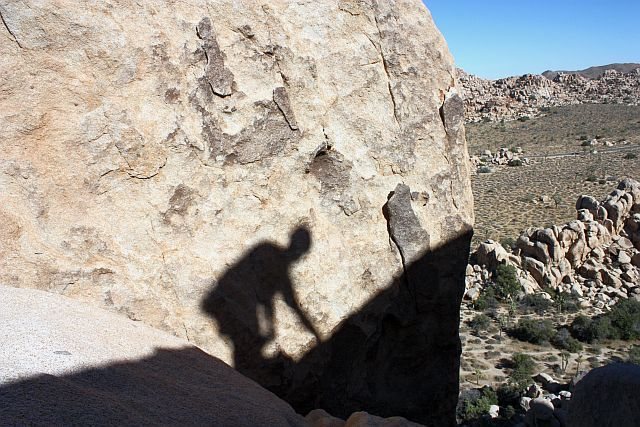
x=488 y=352
x=508 y=200
x=561 y=130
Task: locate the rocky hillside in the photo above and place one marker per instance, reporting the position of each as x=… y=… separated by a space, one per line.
x=530 y=95
x=596 y=257
x=277 y=182
x=595 y=72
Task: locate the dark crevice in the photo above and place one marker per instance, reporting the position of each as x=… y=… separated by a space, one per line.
x=388 y=74
x=15 y=39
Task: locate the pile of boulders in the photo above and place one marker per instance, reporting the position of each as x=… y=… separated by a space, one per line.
x=530 y=95
x=595 y=257
x=547 y=402
x=502 y=157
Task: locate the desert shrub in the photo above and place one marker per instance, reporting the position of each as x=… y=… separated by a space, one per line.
x=487 y=300
x=586 y=143
x=528 y=198
x=583 y=137
x=536 y=303
x=564 y=341
x=592 y=178
x=536 y=331
x=476 y=403
x=564 y=302
x=484 y=169
x=524 y=119
x=508 y=412
x=630 y=156
x=508 y=242
x=508 y=394
x=625 y=319
x=591 y=330
x=480 y=322
x=515 y=162
x=507 y=284
x=523 y=366
x=622 y=322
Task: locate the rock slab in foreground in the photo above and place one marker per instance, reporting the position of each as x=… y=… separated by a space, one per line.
x=71 y=364
x=156 y=158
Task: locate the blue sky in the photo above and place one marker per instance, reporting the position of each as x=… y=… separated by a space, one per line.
x=499 y=38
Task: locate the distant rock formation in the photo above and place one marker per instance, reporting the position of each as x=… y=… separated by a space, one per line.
x=528 y=95
x=155 y=159
x=596 y=257
x=595 y=72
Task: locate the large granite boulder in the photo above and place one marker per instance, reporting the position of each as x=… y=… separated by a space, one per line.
x=606 y=396
x=222 y=170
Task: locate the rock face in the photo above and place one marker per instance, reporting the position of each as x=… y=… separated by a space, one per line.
x=69 y=364
x=525 y=96
x=615 y=405
x=220 y=169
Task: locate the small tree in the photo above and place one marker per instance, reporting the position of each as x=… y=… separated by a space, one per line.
x=579 y=361
x=507 y=284
x=523 y=366
x=479 y=375
x=503 y=322
x=479 y=323
x=534 y=331
x=564 y=360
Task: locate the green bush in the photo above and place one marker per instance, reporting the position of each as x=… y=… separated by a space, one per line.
x=564 y=302
x=536 y=303
x=507 y=284
x=484 y=169
x=472 y=407
x=591 y=330
x=508 y=242
x=564 y=341
x=487 y=300
x=515 y=162
x=625 y=319
x=630 y=156
x=523 y=367
x=480 y=322
x=622 y=322
x=536 y=331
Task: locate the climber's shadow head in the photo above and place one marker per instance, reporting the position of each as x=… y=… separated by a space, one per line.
x=299 y=243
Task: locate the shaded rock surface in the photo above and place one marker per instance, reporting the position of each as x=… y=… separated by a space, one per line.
x=156 y=157
x=70 y=364
x=617 y=403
